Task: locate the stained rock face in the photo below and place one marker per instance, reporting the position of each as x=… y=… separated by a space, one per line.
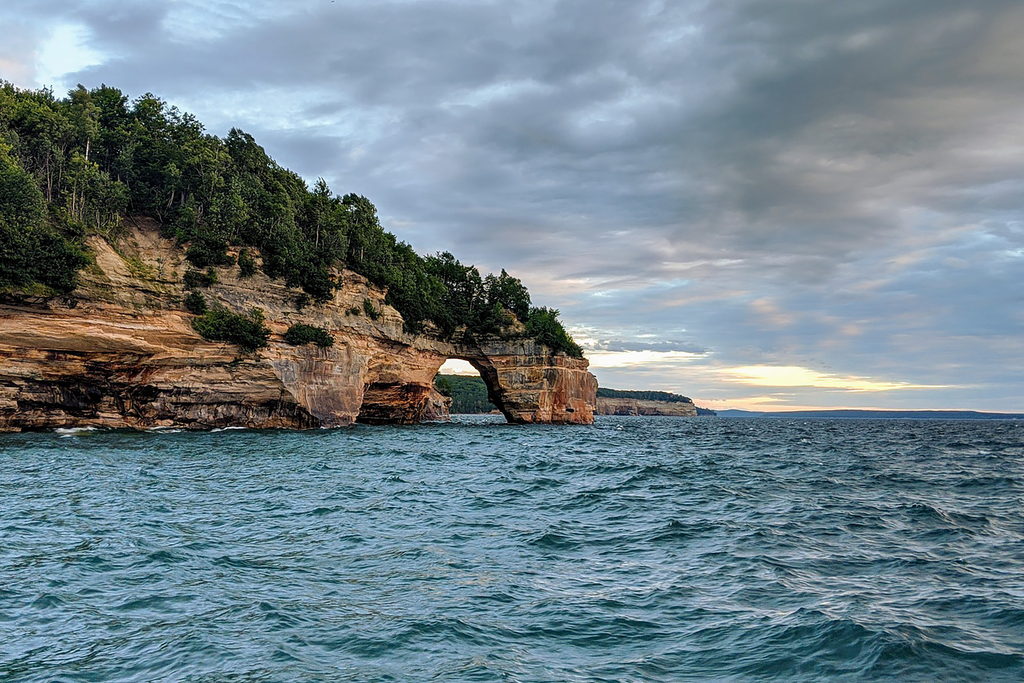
x=632 y=406
x=121 y=352
x=528 y=385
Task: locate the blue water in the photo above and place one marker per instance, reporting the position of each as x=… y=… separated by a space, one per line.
x=639 y=549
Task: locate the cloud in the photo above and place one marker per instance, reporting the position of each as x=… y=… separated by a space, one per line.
x=792 y=376
x=799 y=184
x=628 y=359
x=641 y=345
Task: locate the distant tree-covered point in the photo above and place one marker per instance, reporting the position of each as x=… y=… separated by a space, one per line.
x=468 y=394
x=665 y=396
x=80 y=165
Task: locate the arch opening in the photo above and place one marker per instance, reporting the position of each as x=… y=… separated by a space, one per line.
x=400 y=393
x=472 y=385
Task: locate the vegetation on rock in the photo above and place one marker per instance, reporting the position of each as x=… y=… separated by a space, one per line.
x=643 y=395
x=468 y=394
x=299 y=334
x=543 y=325
x=193 y=279
x=371 y=312
x=247 y=330
x=246 y=264
x=195 y=303
x=79 y=165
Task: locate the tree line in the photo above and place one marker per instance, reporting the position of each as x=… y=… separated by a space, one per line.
x=665 y=396
x=81 y=165
x=468 y=394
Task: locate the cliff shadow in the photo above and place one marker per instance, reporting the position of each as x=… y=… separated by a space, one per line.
x=391 y=401
x=473 y=385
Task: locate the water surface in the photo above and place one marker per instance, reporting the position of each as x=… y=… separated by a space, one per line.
x=639 y=549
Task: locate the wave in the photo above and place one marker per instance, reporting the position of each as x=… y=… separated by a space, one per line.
x=65 y=432
x=783 y=551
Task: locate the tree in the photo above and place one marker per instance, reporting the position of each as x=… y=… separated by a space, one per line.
x=544 y=326
x=246 y=330
x=509 y=293
x=30 y=251
x=84 y=163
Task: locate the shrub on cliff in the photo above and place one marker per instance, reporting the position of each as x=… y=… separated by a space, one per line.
x=204 y=253
x=247 y=330
x=194 y=279
x=299 y=334
x=371 y=312
x=195 y=303
x=246 y=264
x=544 y=326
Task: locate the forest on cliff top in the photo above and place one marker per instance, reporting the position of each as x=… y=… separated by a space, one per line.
x=81 y=165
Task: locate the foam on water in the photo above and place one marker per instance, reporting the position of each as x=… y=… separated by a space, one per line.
x=640 y=549
x=72 y=431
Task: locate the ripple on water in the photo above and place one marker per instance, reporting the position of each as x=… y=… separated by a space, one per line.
x=638 y=549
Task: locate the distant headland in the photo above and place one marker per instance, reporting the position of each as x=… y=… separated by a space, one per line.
x=878 y=414
x=469 y=395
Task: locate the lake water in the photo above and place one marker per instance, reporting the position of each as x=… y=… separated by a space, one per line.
x=638 y=549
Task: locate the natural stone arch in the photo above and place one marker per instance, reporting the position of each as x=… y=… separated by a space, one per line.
x=530 y=384
x=130 y=357
x=525 y=381
x=409 y=396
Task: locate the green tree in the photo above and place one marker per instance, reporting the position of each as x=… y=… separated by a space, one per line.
x=30 y=251
x=509 y=293
x=246 y=330
x=544 y=326
x=300 y=333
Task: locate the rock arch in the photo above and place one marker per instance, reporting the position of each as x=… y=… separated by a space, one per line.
x=526 y=382
x=121 y=353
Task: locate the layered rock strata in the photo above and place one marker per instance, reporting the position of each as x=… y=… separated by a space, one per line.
x=121 y=352
x=632 y=406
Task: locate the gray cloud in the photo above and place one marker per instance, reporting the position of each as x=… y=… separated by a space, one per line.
x=834 y=185
x=617 y=345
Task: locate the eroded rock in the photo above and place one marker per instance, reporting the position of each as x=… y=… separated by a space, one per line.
x=632 y=406
x=121 y=352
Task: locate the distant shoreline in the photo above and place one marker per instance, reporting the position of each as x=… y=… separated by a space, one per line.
x=878 y=414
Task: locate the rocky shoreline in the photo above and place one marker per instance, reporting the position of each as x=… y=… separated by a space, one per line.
x=120 y=352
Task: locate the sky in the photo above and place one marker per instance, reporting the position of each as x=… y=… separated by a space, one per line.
x=761 y=204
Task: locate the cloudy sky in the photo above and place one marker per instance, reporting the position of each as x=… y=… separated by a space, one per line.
x=756 y=203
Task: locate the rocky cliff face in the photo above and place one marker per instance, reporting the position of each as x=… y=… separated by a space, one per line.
x=631 y=406
x=121 y=352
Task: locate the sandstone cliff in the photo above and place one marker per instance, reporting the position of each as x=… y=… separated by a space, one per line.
x=632 y=406
x=121 y=352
